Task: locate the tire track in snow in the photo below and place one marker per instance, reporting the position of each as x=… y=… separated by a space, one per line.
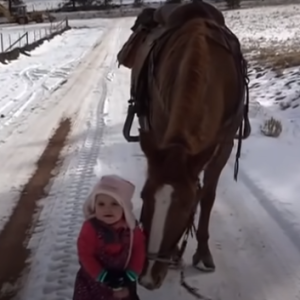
x=59 y=259
x=71 y=191
x=16 y=232
x=269 y=206
x=36 y=82
x=33 y=91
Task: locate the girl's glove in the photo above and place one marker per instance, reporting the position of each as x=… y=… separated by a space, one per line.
x=131 y=275
x=112 y=278
x=101 y=276
x=116 y=279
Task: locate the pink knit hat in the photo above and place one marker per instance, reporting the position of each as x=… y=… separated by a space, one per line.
x=118 y=188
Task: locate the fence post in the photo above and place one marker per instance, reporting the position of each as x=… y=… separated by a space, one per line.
x=17 y=42
x=27 y=38
x=2 y=47
x=67 y=22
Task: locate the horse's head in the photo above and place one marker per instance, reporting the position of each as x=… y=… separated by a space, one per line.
x=169 y=201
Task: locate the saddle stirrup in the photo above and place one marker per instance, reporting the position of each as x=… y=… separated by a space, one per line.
x=131 y=111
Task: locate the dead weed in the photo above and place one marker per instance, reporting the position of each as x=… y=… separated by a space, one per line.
x=276 y=58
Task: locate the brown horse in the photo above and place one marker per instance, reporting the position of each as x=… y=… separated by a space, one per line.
x=192 y=94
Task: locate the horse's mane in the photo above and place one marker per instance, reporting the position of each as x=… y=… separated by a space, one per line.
x=189 y=115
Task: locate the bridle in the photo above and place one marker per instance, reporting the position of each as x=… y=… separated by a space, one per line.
x=189 y=231
x=176 y=261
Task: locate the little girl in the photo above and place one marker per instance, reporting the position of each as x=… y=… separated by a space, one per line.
x=111 y=246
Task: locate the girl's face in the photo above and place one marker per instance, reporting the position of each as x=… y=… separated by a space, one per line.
x=108 y=209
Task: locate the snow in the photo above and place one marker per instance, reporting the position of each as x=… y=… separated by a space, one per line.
x=46 y=69
x=39 y=4
x=54 y=4
x=27 y=83
x=258 y=27
x=272 y=163
x=255 y=222
x=43 y=5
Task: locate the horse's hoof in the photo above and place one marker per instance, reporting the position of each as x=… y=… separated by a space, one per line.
x=204 y=263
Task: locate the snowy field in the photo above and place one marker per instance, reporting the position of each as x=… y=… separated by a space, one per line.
x=255 y=224
x=265 y=24
x=39 y=4
x=43 y=5
x=54 y=4
x=28 y=83
x=272 y=163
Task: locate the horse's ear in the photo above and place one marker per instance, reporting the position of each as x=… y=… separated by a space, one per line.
x=148 y=144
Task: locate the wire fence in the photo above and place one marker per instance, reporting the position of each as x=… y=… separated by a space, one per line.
x=21 y=38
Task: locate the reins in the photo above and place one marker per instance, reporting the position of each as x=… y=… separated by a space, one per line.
x=190 y=231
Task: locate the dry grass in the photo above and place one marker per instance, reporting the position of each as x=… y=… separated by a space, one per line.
x=277 y=58
x=271 y=128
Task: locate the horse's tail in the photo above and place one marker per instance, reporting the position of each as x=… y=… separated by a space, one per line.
x=189 y=123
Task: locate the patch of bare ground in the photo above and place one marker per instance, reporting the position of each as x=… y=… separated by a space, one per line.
x=276 y=58
x=16 y=233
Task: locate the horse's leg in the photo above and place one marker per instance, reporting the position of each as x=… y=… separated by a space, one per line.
x=203 y=258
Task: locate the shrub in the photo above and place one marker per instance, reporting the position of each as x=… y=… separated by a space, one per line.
x=231 y=4
x=271 y=128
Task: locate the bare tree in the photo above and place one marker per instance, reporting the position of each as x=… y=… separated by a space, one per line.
x=173 y=1
x=137 y=3
x=232 y=4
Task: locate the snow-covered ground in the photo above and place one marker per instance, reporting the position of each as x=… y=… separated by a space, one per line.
x=54 y=4
x=27 y=84
x=272 y=163
x=259 y=26
x=39 y=4
x=255 y=224
x=43 y=5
